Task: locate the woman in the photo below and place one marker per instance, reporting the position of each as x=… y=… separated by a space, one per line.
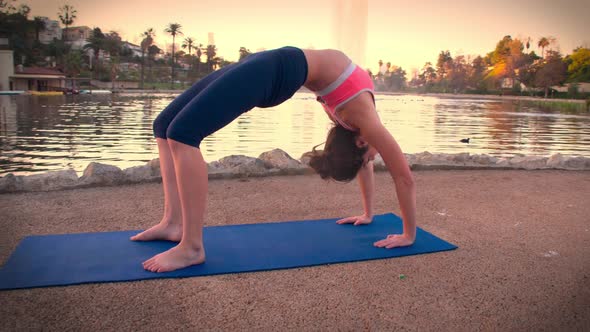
x=267 y=79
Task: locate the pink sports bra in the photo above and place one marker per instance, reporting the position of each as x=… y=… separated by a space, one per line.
x=352 y=82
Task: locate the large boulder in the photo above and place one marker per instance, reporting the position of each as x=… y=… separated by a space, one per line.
x=154 y=165
x=528 y=162
x=576 y=163
x=50 y=181
x=459 y=158
x=483 y=160
x=216 y=170
x=555 y=161
x=279 y=159
x=243 y=165
x=430 y=159
x=304 y=159
x=138 y=174
x=410 y=158
x=102 y=175
x=11 y=183
x=502 y=162
x=560 y=161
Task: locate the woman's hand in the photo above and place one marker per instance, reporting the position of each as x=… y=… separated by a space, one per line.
x=394 y=240
x=358 y=220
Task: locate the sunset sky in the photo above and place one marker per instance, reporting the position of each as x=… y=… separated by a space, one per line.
x=406 y=33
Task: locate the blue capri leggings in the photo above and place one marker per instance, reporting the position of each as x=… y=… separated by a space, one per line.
x=263 y=79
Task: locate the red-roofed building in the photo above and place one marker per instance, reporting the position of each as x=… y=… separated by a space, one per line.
x=37 y=79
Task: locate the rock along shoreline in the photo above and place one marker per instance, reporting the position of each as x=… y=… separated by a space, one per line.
x=272 y=163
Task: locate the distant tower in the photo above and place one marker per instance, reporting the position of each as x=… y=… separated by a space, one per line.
x=6 y=62
x=211 y=38
x=350 y=28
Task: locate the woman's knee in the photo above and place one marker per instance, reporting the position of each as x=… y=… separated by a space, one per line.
x=160 y=126
x=179 y=132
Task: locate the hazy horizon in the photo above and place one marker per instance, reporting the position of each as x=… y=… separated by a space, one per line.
x=405 y=33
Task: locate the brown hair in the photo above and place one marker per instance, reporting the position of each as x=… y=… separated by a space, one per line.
x=341 y=158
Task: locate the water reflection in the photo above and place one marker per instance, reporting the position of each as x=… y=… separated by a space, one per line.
x=52 y=133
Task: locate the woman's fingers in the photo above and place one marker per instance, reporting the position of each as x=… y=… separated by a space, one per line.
x=348 y=220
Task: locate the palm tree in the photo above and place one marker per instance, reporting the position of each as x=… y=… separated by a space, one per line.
x=544 y=42
x=147 y=41
x=199 y=53
x=96 y=42
x=211 y=53
x=67 y=15
x=173 y=29
x=190 y=44
x=152 y=51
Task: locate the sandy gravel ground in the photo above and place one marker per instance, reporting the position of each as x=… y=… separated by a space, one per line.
x=522 y=265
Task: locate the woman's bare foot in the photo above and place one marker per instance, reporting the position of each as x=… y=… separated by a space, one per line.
x=161 y=231
x=176 y=258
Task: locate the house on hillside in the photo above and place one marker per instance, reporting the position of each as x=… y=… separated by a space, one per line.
x=582 y=87
x=77 y=36
x=37 y=79
x=135 y=49
x=51 y=31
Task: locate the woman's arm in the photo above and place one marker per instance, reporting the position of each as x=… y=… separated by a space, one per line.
x=379 y=137
x=367 y=185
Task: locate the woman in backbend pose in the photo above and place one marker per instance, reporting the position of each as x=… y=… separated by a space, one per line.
x=267 y=79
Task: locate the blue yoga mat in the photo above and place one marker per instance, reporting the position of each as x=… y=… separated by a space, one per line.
x=69 y=259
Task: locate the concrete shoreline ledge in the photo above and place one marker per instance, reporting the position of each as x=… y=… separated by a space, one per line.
x=272 y=163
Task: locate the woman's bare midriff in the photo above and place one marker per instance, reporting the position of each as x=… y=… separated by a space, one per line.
x=324 y=67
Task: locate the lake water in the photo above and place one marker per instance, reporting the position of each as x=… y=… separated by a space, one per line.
x=39 y=134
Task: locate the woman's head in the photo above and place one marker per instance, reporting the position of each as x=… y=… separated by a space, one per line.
x=343 y=156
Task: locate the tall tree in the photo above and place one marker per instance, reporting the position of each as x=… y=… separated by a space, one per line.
x=67 y=15
x=24 y=10
x=244 y=53
x=544 y=42
x=96 y=43
x=73 y=65
x=211 y=53
x=578 y=65
x=198 y=54
x=152 y=51
x=113 y=44
x=458 y=75
x=146 y=42
x=477 y=73
x=6 y=7
x=190 y=44
x=443 y=64
x=552 y=72
x=427 y=76
x=39 y=25
x=528 y=44
x=173 y=29
x=396 y=78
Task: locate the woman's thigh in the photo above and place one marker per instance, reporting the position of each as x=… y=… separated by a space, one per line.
x=165 y=117
x=237 y=91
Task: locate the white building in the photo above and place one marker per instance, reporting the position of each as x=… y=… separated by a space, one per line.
x=77 y=36
x=135 y=49
x=6 y=63
x=51 y=31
